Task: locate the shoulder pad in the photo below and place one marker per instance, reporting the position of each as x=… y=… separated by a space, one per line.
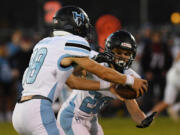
x=77 y=46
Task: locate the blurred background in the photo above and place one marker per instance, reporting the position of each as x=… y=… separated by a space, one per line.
x=154 y=23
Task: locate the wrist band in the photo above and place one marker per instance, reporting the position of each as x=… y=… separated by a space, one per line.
x=129 y=80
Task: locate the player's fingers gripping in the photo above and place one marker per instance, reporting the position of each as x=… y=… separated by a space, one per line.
x=141 y=86
x=145 y=86
x=137 y=93
x=141 y=92
x=144 y=89
x=137 y=86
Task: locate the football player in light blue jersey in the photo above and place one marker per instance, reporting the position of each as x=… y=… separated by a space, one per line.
x=52 y=63
x=79 y=113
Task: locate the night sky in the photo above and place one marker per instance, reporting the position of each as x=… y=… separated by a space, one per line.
x=25 y=13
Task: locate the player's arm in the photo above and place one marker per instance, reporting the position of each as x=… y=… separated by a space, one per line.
x=138 y=115
x=139 y=85
x=83 y=84
x=133 y=108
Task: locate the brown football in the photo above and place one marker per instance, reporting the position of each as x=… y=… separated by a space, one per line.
x=125 y=91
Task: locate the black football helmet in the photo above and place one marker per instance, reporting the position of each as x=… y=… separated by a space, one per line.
x=121 y=39
x=72 y=19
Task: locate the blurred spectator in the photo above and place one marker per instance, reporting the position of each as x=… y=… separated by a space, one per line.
x=143 y=38
x=140 y=46
x=6 y=79
x=155 y=62
x=175 y=48
x=13 y=45
x=20 y=60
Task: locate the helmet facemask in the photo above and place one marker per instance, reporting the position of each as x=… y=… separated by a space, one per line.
x=122 y=61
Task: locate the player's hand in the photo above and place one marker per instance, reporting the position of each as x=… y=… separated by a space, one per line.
x=140 y=86
x=147 y=121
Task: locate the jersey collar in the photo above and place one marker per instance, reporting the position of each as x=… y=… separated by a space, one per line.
x=61 y=33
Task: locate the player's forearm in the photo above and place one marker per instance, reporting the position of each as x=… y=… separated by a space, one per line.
x=136 y=114
x=102 y=72
x=138 y=117
x=87 y=85
x=108 y=74
x=113 y=76
x=82 y=84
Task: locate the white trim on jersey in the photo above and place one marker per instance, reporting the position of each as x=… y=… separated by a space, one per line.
x=61 y=33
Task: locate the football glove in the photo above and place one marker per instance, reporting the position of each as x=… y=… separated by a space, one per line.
x=104 y=57
x=147 y=121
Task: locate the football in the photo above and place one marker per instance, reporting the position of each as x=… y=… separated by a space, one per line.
x=125 y=91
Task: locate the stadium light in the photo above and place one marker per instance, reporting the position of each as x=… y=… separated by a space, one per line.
x=50 y=9
x=175 y=18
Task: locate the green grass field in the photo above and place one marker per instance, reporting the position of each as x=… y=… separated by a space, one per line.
x=122 y=126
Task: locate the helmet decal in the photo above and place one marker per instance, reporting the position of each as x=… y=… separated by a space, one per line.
x=126 y=45
x=78 y=18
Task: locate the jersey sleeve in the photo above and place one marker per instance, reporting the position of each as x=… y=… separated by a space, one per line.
x=93 y=53
x=77 y=47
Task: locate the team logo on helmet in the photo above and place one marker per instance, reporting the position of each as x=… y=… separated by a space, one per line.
x=126 y=45
x=78 y=18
